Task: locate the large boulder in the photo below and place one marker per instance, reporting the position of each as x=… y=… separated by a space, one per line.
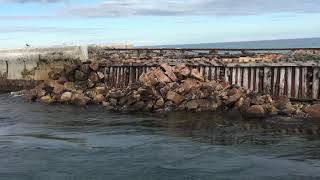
x=85 y=68
x=140 y=105
x=197 y=75
x=70 y=86
x=148 y=79
x=174 y=97
x=205 y=105
x=46 y=99
x=182 y=70
x=169 y=71
x=101 y=90
x=189 y=84
x=54 y=75
x=232 y=99
x=98 y=99
x=116 y=94
x=70 y=68
x=159 y=103
x=162 y=78
x=313 y=111
x=283 y=102
x=255 y=111
x=192 y=105
x=94 y=66
x=57 y=88
x=80 y=99
x=80 y=76
x=93 y=77
x=66 y=97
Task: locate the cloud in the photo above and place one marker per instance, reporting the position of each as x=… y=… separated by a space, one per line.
x=30 y=29
x=116 y=8
x=32 y=1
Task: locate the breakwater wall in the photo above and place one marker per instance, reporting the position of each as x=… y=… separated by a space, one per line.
x=295 y=80
x=291 y=72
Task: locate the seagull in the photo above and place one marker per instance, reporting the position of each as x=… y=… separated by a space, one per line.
x=27 y=45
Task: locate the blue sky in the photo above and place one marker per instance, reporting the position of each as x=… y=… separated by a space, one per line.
x=151 y=22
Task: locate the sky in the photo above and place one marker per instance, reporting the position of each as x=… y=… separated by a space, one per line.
x=154 y=22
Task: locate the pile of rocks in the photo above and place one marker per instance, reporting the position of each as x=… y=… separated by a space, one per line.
x=77 y=84
x=175 y=88
x=164 y=88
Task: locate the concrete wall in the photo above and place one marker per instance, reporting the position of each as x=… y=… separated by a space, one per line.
x=35 y=63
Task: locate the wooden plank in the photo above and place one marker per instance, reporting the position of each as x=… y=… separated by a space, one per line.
x=201 y=70
x=289 y=82
x=105 y=77
x=267 y=80
x=116 y=77
x=315 y=83
x=137 y=74
x=130 y=75
x=282 y=81
x=304 y=82
x=234 y=73
x=274 y=85
x=257 y=79
x=111 y=77
x=227 y=74
x=245 y=78
x=239 y=76
x=206 y=72
x=296 y=82
x=218 y=73
x=213 y=72
x=252 y=75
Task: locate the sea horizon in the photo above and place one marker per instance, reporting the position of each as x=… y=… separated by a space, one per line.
x=276 y=43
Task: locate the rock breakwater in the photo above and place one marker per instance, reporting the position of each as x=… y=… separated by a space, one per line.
x=164 y=88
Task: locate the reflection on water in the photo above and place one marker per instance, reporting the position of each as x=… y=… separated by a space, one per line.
x=64 y=142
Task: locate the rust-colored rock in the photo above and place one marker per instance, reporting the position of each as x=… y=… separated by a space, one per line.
x=57 y=88
x=232 y=99
x=94 y=77
x=282 y=103
x=197 y=75
x=174 y=97
x=169 y=71
x=192 y=105
x=148 y=79
x=255 y=111
x=80 y=99
x=94 y=66
x=313 y=111
x=161 y=76
x=159 y=103
x=98 y=99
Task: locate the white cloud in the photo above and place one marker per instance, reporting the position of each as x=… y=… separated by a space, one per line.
x=114 y=8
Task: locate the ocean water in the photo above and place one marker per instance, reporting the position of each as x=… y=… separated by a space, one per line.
x=285 y=43
x=71 y=143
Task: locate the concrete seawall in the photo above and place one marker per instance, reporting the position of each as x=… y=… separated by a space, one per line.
x=32 y=63
x=23 y=68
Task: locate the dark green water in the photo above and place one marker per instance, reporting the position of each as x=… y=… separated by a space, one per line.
x=66 y=143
